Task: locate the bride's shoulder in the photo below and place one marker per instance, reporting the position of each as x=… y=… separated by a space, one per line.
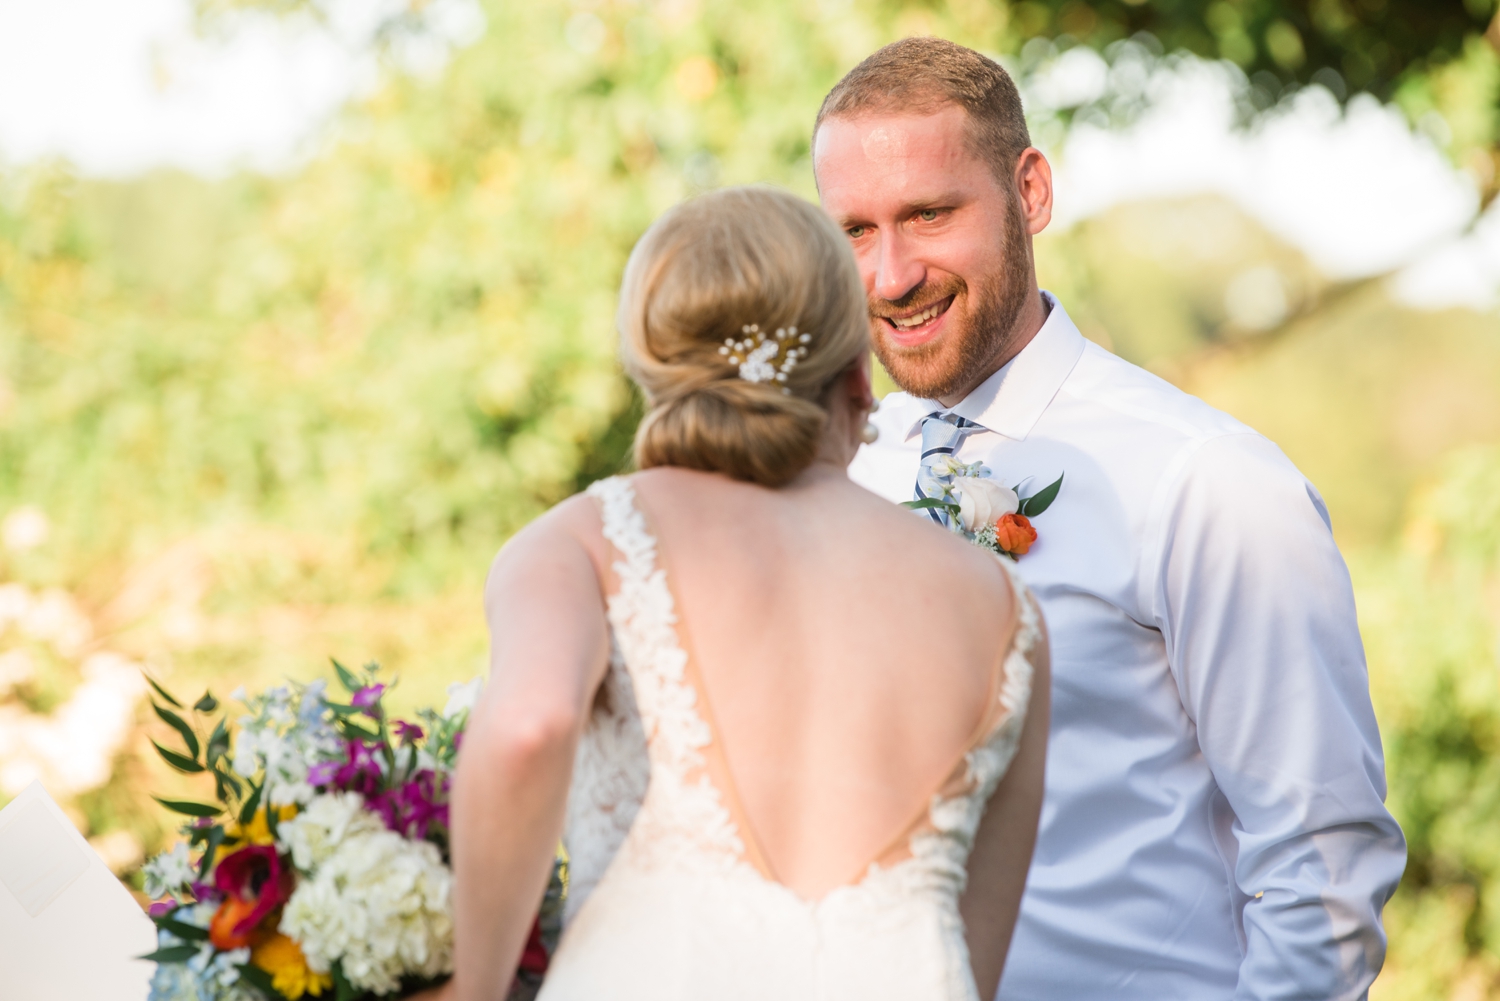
x=919 y=548
x=571 y=527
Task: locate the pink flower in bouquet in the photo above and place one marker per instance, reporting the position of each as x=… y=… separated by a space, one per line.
x=368 y=697
x=407 y=733
x=410 y=810
x=322 y=773
x=254 y=884
x=359 y=772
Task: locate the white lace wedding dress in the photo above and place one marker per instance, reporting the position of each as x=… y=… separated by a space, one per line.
x=669 y=897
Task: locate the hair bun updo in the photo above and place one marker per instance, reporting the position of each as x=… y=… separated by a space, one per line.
x=702 y=273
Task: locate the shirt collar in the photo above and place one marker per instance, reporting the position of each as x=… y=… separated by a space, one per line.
x=1012 y=400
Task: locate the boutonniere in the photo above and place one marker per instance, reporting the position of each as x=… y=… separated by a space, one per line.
x=986 y=511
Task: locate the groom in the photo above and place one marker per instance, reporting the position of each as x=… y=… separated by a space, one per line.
x=1214 y=825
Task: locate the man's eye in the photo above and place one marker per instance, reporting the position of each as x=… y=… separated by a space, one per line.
x=927 y=215
x=855 y=232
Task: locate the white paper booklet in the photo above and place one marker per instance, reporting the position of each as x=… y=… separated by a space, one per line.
x=68 y=930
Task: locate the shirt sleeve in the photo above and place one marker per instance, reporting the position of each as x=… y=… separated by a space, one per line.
x=1257 y=611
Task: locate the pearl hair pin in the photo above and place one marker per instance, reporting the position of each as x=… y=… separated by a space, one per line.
x=757 y=353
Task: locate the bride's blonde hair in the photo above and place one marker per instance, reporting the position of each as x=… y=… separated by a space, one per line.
x=706 y=270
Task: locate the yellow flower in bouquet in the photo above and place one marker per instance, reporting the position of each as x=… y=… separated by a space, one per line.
x=282 y=958
x=257 y=832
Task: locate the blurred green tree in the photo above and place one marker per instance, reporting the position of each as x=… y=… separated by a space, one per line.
x=1430 y=56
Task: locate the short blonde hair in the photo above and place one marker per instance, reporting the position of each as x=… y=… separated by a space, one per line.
x=704 y=271
x=919 y=76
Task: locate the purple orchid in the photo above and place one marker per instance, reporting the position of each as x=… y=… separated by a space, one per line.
x=367 y=698
x=360 y=772
x=322 y=773
x=407 y=733
x=204 y=891
x=412 y=809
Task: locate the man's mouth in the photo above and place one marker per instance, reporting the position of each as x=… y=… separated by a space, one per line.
x=914 y=322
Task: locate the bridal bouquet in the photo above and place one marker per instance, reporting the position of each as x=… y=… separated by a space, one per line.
x=322 y=869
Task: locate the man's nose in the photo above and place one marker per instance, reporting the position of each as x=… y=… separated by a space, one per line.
x=897 y=270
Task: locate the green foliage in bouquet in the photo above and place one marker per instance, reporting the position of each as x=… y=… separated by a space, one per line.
x=324 y=866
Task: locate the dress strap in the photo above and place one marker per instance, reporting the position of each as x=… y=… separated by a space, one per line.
x=625 y=528
x=1028 y=628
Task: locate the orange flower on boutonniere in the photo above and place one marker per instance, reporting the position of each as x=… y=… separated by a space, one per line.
x=1014 y=535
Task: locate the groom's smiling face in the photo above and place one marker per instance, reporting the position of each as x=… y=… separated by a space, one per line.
x=940 y=240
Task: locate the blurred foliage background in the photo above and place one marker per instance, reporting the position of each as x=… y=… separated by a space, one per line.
x=252 y=422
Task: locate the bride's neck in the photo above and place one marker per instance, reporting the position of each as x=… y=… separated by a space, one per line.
x=823 y=471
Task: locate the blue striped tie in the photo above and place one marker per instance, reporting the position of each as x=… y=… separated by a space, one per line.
x=941 y=435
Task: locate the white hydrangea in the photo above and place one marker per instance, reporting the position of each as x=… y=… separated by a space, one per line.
x=315 y=834
x=380 y=904
x=169 y=872
x=285 y=734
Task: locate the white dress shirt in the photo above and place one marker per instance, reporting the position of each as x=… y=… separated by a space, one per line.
x=1214 y=824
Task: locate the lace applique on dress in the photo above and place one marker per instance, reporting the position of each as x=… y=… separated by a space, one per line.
x=684 y=818
x=610 y=776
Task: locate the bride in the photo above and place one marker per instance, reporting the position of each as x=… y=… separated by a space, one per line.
x=791 y=735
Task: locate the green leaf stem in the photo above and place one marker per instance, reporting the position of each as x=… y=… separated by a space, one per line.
x=178 y=761
x=177 y=723
x=162 y=691
x=189 y=808
x=171 y=954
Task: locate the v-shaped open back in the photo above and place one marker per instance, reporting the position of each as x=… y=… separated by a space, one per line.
x=691 y=875
x=701 y=755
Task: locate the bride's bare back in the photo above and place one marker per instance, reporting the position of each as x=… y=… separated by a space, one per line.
x=849 y=652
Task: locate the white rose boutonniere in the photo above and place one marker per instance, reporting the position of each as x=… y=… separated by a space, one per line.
x=983 y=502
x=983 y=510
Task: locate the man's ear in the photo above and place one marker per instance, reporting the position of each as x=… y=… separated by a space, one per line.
x=1034 y=189
x=858 y=383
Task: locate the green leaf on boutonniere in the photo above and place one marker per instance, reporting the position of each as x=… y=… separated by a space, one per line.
x=1041 y=500
x=931 y=502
